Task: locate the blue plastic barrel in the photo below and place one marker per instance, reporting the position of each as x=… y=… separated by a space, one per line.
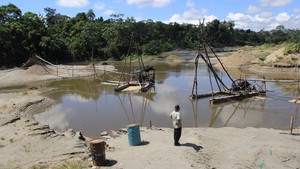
x=134 y=137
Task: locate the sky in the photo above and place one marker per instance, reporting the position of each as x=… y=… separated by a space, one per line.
x=246 y=14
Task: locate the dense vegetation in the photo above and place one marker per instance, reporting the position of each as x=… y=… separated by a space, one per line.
x=60 y=38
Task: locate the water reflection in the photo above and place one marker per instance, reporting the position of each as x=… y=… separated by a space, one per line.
x=86 y=105
x=243 y=113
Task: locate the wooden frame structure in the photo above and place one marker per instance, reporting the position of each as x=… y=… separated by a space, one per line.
x=240 y=88
x=139 y=79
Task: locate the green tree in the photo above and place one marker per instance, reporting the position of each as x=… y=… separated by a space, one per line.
x=9 y=13
x=294 y=36
x=278 y=35
x=34 y=29
x=11 y=36
x=90 y=15
x=53 y=43
x=118 y=35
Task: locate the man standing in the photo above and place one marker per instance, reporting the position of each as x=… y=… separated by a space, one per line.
x=175 y=116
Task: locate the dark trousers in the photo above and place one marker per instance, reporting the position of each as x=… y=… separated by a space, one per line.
x=177 y=135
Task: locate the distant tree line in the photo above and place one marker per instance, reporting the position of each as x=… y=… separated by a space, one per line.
x=60 y=38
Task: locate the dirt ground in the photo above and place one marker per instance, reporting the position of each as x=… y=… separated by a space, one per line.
x=270 y=63
x=24 y=143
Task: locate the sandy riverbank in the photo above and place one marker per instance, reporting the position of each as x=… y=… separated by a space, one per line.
x=208 y=148
x=24 y=143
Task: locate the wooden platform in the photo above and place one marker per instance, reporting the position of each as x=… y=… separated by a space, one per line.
x=223 y=97
x=236 y=97
x=134 y=86
x=200 y=96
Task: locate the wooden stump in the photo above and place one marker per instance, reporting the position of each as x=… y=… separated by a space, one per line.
x=97 y=147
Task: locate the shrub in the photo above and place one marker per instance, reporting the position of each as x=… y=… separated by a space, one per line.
x=294 y=58
x=262 y=58
x=292 y=48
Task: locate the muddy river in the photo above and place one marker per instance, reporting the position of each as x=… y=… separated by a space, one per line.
x=88 y=106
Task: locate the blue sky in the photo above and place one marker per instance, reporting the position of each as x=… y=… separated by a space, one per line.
x=246 y=14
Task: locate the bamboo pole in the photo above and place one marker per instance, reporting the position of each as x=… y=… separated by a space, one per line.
x=292 y=124
x=56 y=69
x=220 y=63
x=195 y=84
x=94 y=71
x=204 y=44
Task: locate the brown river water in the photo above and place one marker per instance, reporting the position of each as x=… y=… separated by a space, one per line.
x=88 y=106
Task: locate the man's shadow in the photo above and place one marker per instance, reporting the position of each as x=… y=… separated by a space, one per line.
x=194 y=146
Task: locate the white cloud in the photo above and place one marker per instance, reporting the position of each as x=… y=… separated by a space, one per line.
x=275 y=3
x=238 y=16
x=253 y=9
x=266 y=15
x=273 y=25
x=100 y=6
x=72 y=3
x=283 y=17
x=256 y=22
x=77 y=98
x=263 y=17
x=138 y=18
x=264 y=21
x=57 y=117
x=296 y=10
x=192 y=16
x=153 y=3
x=109 y=12
x=165 y=99
x=190 y=4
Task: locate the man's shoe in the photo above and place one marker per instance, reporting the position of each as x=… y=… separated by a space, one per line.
x=177 y=144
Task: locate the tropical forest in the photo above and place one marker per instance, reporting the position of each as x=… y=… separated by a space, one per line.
x=61 y=38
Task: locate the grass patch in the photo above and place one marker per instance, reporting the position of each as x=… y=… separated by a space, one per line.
x=2 y=138
x=173 y=57
x=265 y=46
x=40 y=166
x=262 y=56
x=11 y=140
x=272 y=47
x=278 y=58
x=294 y=58
x=2 y=145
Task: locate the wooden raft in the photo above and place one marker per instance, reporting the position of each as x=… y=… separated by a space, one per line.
x=235 y=97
